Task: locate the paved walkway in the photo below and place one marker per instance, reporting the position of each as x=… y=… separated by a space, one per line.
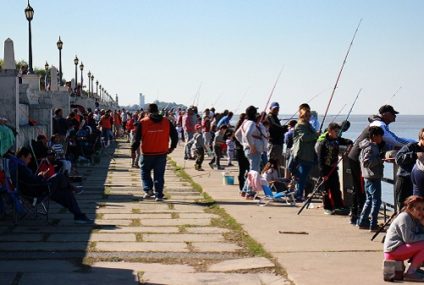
x=313 y=248
x=179 y=241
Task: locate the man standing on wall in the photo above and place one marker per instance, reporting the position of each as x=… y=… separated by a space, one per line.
x=154 y=133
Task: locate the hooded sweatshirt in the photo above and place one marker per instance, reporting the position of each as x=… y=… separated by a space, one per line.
x=417 y=177
x=371 y=162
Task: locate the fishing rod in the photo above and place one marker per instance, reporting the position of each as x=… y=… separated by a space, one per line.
x=310 y=100
x=393 y=96
x=272 y=92
x=338 y=76
x=341 y=109
x=241 y=100
x=350 y=111
x=197 y=94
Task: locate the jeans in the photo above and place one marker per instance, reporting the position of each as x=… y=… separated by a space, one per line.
x=301 y=172
x=372 y=202
x=244 y=166
x=107 y=135
x=157 y=163
x=358 y=195
x=254 y=160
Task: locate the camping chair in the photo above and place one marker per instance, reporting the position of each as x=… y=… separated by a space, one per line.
x=24 y=206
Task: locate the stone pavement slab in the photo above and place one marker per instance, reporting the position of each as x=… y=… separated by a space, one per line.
x=215 y=247
x=140 y=230
x=212 y=279
x=135 y=216
x=91 y=237
x=183 y=237
x=241 y=264
x=206 y=230
x=43 y=246
x=141 y=246
x=105 y=276
x=37 y=266
x=145 y=267
x=176 y=222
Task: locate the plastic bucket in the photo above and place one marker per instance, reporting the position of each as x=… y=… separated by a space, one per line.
x=228 y=180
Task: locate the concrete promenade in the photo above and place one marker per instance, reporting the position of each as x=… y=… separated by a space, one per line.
x=178 y=241
x=313 y=248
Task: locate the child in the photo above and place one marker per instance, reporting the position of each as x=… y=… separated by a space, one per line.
x=271 y=173
x=57 y=147
x=231 y=148
x=198 y=143
x=372 y=171
x=218 y=141
x=417 y=175
x=327 y=149
x=405 y=240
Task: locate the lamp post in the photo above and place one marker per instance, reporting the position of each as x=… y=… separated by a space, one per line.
x=81 y=68
x=46 y=68
x=59 y=47
x=76 y=70
x=29 y=14
x=97 y=87
x=89 y=86
x=92 y=84
x=100 y=92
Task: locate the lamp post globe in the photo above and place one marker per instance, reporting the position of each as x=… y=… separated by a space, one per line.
x=59 y=45
x=29 y=14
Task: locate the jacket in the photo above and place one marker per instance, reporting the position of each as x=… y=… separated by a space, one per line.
x=327 y=150
x=154 y=133
x=406 y=158
x=304 y=139
x=276 y=130
x=417 y=178
x=371 y=163
x=403 y=230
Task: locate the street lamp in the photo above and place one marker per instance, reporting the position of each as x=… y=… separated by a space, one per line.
x=89 y=86
x=97 y=87
x=81 y=68
x=76 y=70
x=59 y=47
x=92 y=83
x=46 y=67
x=29 y=14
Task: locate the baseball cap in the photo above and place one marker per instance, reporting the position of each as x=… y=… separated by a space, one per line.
x=387 y=109
x=274 y=105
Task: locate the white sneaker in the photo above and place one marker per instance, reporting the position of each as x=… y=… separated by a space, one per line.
x=148 y=194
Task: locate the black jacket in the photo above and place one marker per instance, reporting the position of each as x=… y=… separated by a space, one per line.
x=276 y=130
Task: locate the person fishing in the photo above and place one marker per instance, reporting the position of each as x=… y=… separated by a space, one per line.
x=276 y=134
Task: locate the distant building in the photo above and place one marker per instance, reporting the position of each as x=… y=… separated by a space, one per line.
x=142 y=100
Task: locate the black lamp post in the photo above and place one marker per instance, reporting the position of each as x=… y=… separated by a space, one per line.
x=59 y=47
x=29 y=14
x=97 y=87
x=76 y=70
x=100 y=92
x=89 y=83
x=46 y=68
x=81 y=68
x=92 y=84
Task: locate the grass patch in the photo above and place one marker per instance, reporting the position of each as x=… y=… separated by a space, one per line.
x=190 y=246
x=99 y=216
x=135 y=223
x=182 y=229
x=136 y=211
x=175 y=215
x=92 y=246
x=139 y=237
x=171 y=206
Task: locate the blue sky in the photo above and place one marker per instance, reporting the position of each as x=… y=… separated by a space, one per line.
x=234 y=49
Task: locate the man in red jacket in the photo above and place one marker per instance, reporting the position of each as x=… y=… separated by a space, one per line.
x=154 y=132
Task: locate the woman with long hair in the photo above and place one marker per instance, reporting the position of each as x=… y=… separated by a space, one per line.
x=243 y=163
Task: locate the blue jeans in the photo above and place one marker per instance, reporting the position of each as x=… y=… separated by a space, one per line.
x=107 y=135
x=156 y=163
x=372 y=203
x=301 y=172
x=254 y=160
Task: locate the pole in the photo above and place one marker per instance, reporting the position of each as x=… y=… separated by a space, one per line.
x=30 y=48
x=338 y=113
x=272 y=90
x=393 y=96
x=338 y=76
x=60 y=67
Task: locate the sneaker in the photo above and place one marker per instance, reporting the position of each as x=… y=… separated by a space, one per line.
x=211 y=164
x=230 y=164
x=363 y=227
x=200 y=169
x=83 y=220
x=341 y=211
x=220 y=168
x=329 y=212
x=148 y=194
x=375 y=229
x=157 y=199
x=353 y=220
x=414 y=277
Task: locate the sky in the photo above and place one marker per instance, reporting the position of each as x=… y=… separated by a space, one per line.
x=230 y=52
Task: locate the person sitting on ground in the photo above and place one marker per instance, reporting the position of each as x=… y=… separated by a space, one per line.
x=38 y=186
x=417 y=175
x=271 y=173
x=372 y=171
x=405 y=238
x=327 y=149
x=218 y=141
x=406 y=159
x=198 y=146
